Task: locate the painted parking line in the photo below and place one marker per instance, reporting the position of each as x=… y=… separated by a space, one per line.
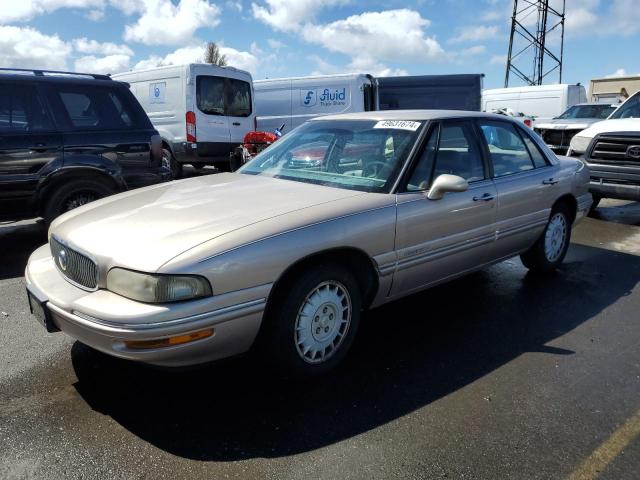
x=609 y=450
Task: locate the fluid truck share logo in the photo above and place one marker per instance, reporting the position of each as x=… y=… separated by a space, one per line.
x=327 y=97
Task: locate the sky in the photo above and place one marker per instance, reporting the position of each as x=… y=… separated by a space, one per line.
x=280 y=38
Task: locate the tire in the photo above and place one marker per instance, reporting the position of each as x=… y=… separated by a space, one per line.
x=170 y=162
x=305 y=318
x=594 y=205
x=73 y=194
x=550 y=249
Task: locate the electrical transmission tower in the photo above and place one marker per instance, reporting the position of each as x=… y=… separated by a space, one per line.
x=530 y=57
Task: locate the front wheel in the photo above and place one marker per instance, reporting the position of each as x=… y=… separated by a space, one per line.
x=550 y=249
x=170 y=162
x=594 y=205
x=313 y=322
x=73 y=194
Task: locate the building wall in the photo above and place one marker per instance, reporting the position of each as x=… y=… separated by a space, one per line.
x=612 y=90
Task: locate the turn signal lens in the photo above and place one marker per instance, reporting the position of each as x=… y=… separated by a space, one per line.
x=169 y=342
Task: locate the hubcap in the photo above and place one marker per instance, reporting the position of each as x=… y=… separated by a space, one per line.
x=323 y=322
x=79 y=200
x=555 y=237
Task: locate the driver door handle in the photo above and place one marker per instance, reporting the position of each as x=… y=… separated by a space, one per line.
x=487 y=197
x=550 y=181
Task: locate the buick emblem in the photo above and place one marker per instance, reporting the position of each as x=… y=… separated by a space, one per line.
x=62 y=259
x=633 y=151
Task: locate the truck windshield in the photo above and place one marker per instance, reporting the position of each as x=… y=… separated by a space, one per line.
x=363 y=155
x=629 y=109
x=588 y=111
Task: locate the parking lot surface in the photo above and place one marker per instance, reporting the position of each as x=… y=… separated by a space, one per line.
x=500 y=374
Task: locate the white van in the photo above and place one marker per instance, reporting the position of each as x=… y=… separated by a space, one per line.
x=542 y=102
x=202 y=111
x=293 y=101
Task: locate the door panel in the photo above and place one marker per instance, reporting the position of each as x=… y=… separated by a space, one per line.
x=28 y=144
x=212 y=125
x=436 y=239
x=239 y=109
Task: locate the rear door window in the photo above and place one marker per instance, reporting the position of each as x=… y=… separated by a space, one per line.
x=223 y=96
x=210 y=94
x=95 y=108
x=22 y=110
x=238 y=95
x=508 y=152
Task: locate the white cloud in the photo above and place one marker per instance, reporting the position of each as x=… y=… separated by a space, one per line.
x=95 y=15
x=194 y=53
x=234 y=5
x=275 y=44
x=621 y=72
x=27 y=9
x=473 y=33
x=475 y=50
x=498 y=60
x=367 y=64
x=25 y=47
x=107 y=64
x=84 y=45
x=164 y=23
x=388 y=35
x=289 y=15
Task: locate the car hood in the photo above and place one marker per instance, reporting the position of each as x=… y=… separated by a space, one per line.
x=143 y=229
x=567 y=124
x=616 y=125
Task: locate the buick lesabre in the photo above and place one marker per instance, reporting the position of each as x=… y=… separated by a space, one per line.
x=284 y=255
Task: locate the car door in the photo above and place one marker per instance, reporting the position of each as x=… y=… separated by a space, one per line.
x=238 y=108
x=438 y=239
x=28 y=143
x=212 y=123
x=104 y=122
x=524 y=180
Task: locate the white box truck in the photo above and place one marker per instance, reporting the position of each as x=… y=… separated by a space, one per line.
x=542 y=102
x=202 y=111
x=293 y=101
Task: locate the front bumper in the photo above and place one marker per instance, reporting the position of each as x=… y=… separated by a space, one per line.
x=615 y=181
x=105 y=321
x=622 y=191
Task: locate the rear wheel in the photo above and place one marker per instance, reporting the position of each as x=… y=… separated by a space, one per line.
x=312 y=324
x=550 y=249
x=170 y=162
x=73 y=194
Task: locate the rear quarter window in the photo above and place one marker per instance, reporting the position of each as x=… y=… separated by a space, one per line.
x=101 y=108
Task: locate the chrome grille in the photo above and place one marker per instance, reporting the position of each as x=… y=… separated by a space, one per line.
x=613 y=149
x=78 y=268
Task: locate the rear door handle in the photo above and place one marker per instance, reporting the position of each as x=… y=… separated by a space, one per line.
x=237 y=124
x=550 y=181
x=487 y=197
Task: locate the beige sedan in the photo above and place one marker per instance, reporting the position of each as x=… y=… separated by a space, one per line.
x=343 y=214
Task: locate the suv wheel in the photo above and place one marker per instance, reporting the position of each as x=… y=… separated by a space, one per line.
x=549 y=250
x=312 y=325
x=170 y=162
x=74 y=194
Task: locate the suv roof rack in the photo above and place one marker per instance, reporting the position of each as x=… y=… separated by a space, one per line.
x=41 y=73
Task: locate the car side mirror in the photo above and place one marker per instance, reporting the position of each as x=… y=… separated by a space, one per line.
x=447 y=183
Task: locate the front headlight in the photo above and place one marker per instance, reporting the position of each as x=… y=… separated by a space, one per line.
x=155 y=288
x=579 y=144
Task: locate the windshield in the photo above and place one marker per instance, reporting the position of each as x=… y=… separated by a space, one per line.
x=360 y=155
x=588 y=111
x=629 y=109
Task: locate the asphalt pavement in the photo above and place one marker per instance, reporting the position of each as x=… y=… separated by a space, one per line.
x=500 y=374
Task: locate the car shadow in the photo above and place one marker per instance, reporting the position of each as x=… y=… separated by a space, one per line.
x=17 y=241
x=618 y=211
x=408 y=354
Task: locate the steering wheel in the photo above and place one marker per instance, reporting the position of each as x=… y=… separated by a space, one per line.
x=373 y=169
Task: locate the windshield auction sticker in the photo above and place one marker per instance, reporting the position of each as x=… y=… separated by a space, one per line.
x=398 y=124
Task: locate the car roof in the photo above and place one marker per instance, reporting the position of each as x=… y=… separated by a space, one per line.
x=593 y=104
x=413 y=115
x=67 y=78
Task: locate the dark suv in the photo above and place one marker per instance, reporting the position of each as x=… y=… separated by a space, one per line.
x=67 y=139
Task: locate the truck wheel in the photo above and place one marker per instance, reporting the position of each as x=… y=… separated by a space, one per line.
x=312 y=324
x=170 y=162
x=74 y=194
x=549 y=250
